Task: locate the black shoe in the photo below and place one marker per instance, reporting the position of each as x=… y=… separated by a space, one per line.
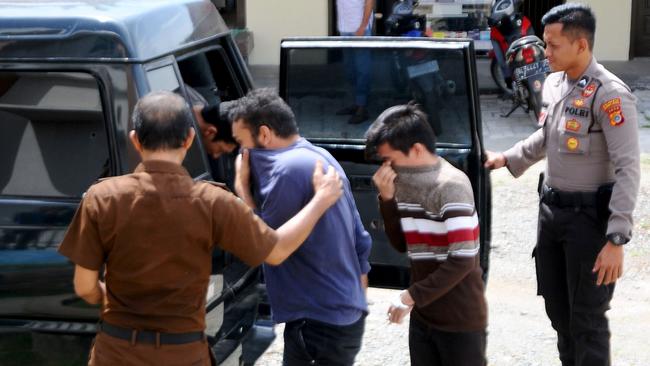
x=360 y=116
x=351 y=109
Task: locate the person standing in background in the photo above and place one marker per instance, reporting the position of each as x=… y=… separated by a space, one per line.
x=354 y=19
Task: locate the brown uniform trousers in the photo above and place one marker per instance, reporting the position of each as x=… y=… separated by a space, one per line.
x=111 y=351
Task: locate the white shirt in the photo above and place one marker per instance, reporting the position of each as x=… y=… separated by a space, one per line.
x=350 y=14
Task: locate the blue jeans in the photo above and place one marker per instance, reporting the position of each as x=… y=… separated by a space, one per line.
x=310 y=342
x=358 y=64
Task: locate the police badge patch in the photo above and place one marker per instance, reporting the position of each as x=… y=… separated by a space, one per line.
x=572 y=125
x=589 y=90
x=583 y=81
x=616 y=118
x=613 y=108
x=572 y=143
x=610 y=105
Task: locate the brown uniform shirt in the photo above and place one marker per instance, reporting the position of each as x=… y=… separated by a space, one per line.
x=155 y=230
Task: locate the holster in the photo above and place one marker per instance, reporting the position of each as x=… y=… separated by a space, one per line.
x=540 y=184
x=603 y=196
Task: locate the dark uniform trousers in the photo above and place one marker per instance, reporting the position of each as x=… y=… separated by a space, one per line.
x=570 y=238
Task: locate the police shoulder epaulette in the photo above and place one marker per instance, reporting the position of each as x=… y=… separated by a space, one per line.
x=217 y=184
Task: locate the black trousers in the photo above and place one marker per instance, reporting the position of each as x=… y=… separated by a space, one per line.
x=432 y=347
x=569 y=240
x=310 y=342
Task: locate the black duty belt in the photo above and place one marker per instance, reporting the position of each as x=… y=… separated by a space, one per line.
x=554 y=197
x=146 y=336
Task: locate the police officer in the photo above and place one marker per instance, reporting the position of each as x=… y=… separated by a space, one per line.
x=589 y=136
x=154 y=230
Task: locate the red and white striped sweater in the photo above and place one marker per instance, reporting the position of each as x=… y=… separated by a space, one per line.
x=453 y=231
x=433 y=218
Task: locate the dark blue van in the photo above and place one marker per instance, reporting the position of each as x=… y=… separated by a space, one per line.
x=71 y=72
x=70 y=75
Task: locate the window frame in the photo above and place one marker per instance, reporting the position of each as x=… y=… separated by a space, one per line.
x=464 y=45
x=170 y=61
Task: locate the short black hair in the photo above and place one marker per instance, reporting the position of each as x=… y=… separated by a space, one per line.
x=162 y=120
x=578 y=20
x=264 y=107
x=401 y=126
x=218 y=115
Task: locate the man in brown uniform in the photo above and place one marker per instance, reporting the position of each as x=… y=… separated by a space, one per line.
x=590 y=139
x=154 y=231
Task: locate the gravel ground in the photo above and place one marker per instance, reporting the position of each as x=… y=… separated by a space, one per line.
x=519 y=333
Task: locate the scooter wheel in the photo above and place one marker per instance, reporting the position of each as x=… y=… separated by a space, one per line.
x=499 y=80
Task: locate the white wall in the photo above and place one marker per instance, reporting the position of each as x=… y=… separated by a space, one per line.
x=272 y=20
x=613 y=29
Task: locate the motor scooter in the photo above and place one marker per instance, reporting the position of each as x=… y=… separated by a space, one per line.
x=506 y=26
x=526 y=58
x=414 y=70
x=518 y=64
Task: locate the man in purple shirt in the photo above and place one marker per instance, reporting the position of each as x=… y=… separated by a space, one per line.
x=319 y=291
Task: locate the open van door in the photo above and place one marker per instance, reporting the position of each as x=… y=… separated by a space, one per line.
x=318 y=79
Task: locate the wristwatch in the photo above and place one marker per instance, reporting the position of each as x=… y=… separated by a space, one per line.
x=617 y=238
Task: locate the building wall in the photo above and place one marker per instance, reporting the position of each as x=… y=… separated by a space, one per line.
x=272 y=20
x=613 y=29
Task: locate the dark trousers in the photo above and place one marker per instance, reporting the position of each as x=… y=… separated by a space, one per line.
x=432 y=347
x=310 y=342
x=569 y=240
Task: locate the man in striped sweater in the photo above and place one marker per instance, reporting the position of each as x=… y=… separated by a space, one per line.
x=428 y=210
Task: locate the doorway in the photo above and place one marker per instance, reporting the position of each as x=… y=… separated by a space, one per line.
x=640 y=46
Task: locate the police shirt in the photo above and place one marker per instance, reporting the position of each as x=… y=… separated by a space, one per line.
x=154 y=230
x=589 y=135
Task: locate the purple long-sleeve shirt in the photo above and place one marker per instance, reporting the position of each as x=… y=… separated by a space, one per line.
x=321 y=280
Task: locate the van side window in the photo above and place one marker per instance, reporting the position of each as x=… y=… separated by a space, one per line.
x=211 y=74
x=164 y=78
x=212 y=78
x=53 y=141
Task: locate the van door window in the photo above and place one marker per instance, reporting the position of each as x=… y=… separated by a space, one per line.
x=322 y=89
x=211 y=74
x=53 y=141
x=164 y=78
x=211 y=78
